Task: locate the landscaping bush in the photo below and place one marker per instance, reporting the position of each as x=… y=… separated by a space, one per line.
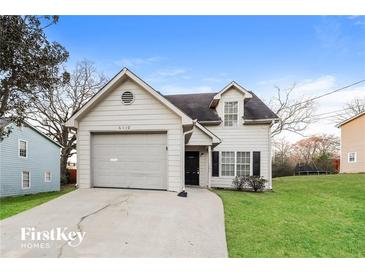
x=255 y=183
x=249 y=183
x=238 y=183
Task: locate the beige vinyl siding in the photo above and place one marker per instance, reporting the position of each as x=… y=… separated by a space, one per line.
x=241 y=138
x=353 y=140
x=145 y=114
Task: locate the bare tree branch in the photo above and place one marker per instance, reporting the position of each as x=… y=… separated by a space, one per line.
x=351 y=108
x=52 y=108
x=295 y=113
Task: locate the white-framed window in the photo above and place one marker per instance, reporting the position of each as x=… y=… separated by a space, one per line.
x=47 y=177
x=25 y=179
x=235 y=163
x=352 y=157
x=230 y=114
x=23 y=149
x=243 y=163
x=228 y=163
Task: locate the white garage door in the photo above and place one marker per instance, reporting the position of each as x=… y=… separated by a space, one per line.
x=129 y=160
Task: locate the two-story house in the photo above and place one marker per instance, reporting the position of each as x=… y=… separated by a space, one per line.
x=29 y=161
x=131 y=136
x=353 y=144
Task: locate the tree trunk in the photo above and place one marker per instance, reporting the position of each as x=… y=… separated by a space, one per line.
x=63 y=167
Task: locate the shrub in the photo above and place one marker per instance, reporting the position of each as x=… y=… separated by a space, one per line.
x=238 y=183
x=254 y=183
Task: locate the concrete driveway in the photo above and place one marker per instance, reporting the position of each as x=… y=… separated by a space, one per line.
x=119 y=223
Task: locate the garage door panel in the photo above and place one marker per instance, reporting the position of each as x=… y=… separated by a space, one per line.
x=129 y=139
x=120 y=168
x=145 y=183
x=129 y=160
x=112 y=152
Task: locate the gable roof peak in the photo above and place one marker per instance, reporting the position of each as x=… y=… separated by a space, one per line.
x=125 y=72
x=217 y=97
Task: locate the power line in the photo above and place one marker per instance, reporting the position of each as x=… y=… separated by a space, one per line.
x=330 y=112
x=330 y=92
x=329 y=117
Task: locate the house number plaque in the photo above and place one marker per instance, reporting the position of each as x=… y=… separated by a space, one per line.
x=124 y=127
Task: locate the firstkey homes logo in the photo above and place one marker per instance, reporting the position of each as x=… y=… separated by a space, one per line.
x=33 y=238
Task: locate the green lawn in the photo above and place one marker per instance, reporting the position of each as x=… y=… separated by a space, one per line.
x=304 y=216
x=13 y=205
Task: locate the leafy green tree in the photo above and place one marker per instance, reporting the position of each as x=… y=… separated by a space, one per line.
x=29 y=63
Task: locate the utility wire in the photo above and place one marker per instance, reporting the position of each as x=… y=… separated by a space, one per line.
x=330 y=92
x=328 y=117
x=339 y=111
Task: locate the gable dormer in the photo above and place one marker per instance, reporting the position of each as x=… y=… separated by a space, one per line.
x=229 y=104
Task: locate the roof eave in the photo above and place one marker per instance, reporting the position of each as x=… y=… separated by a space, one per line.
x=260 y=121
x=210 y=123
x=350 y=119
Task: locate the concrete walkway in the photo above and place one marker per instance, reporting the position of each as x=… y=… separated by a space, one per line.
x=120 y=223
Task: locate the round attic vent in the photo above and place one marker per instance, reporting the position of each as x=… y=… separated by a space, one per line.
x=127 y=97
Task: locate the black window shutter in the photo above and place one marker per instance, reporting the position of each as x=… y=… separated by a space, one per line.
x=215 y=163
x=256 y=169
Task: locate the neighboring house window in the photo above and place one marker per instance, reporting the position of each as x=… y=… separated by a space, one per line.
x=243 y=163
x=228 y=163
x=352 y=157
x=230 y=114
x=23 y=149
x=47 y=176
x=25 y=179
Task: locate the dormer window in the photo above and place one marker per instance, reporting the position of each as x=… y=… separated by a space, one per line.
x=230 y=114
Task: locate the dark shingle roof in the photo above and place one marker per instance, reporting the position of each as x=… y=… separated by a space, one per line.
x=256 y=109
x=197 y=107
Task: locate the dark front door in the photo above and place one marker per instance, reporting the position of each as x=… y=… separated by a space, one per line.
x=192 y=168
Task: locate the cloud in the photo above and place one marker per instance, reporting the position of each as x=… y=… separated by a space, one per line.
x=220 y=78
x=333 y=103
x=288 y=78
x=212 y=79
x=137 y=61
x=358 y=20
x=165 y=73
x=330 y=34
x=311 y=87
x=171 y=89
x=327 y=83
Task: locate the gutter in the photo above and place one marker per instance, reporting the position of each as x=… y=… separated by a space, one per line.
x=260 y=121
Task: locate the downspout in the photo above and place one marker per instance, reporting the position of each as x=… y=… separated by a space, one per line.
x=183 y=192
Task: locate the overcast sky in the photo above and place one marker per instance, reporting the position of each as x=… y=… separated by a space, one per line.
x=202 y=54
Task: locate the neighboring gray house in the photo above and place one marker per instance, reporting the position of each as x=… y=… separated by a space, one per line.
x=131 y=136
x=29 y=161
